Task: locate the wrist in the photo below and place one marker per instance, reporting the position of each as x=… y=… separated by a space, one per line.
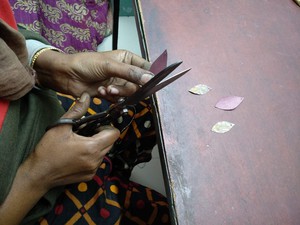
x=25 y=191
x=34 y=176
x=39 y=53
x=49 y=65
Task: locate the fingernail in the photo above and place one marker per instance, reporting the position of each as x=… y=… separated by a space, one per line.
x=113 y=90
x=83 y=97
x=146 y=77
x=102 y=91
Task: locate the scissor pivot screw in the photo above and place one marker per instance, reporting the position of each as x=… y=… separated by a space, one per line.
x=124 y=111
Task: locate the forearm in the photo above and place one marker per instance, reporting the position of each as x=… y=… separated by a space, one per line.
x=47 y=61
x=24 y=194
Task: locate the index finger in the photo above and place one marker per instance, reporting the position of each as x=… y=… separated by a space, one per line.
x=135 y=60
x=126 y=71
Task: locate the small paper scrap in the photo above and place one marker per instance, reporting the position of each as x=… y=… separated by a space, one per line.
x=200 y=89
x=229 y=103
x=222 y=127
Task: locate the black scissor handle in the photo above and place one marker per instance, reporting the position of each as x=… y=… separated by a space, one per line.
x=62 y=121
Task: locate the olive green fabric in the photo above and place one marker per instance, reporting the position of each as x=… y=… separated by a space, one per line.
x=24 y=125
x=31 y=35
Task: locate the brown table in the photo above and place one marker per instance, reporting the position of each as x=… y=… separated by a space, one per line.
x=251 y=174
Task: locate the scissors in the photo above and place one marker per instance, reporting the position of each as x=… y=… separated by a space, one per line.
x=88 y=125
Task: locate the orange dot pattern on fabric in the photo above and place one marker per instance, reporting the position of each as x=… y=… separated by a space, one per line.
x=102 y=166
x=118 y=198
x=44 y=222
x=97 y=101
x=135 y=203
x=114 y=189
x=82 y=187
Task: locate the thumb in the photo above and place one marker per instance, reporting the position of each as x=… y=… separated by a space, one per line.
x=80 y=107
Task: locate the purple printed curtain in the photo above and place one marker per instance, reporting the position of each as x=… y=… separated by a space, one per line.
x=70 y=25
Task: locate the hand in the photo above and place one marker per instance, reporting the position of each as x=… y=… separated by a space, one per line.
x=63 y=157
x=109 y=75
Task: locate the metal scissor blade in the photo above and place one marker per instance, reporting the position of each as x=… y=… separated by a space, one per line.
x=150 y=84
x=164 y=83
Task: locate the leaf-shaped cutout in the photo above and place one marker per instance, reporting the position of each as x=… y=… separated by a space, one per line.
x=229 y=103
x=160 y=63
x=200 y=89
x=222 y=127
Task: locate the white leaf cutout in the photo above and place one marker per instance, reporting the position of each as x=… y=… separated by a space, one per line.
x=200 y=89
x=222 y=127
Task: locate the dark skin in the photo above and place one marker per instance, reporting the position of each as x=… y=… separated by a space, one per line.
x=108 y=75
x=63 y=157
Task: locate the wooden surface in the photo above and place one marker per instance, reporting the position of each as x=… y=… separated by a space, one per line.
x=250 y=175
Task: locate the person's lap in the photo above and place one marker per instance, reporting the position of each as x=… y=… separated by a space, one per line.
x=137 y=137
x=108 y=199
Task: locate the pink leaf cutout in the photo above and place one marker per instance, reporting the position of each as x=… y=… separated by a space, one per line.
x=229 y=103
x=160 y=63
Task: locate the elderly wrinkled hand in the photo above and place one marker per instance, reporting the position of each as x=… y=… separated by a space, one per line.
x=108 y=75
x=63 y=157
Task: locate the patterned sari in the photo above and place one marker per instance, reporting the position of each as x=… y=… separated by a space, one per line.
x=109 y=200
x=70 y=25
